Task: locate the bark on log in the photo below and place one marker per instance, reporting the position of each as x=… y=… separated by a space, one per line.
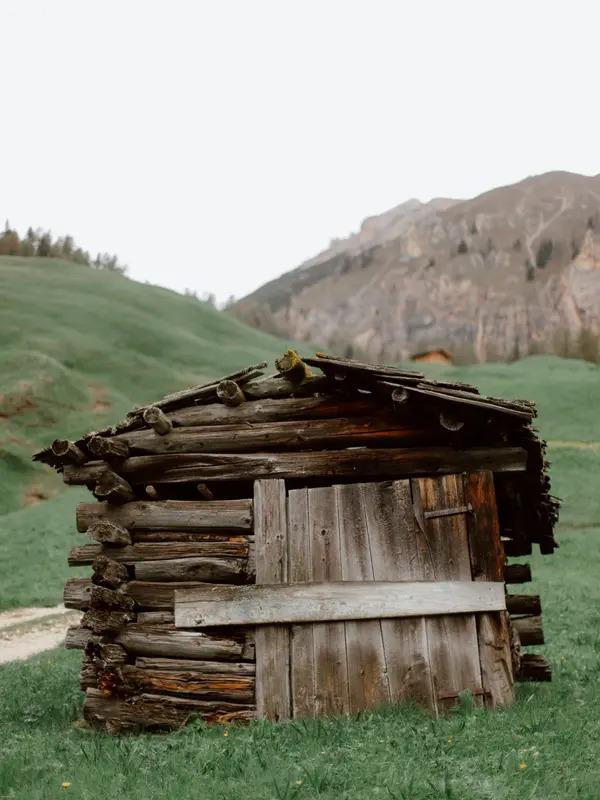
x=464 y=399
x=160 y=596
x=383 y=462
x=106 y=621
x=108 y=656
x=335 y=364
x=523 y=604
x=270 y=410
x=100 y=597
x=243 y=668
x=279 y=386
x=160 y=641
x=203 y=393
x=158 y=420
x=68 y=451
x=107 y=571
x=210 y=686
x=156 y=712
x=517 y=573
x=156 y=618
x=211 y=570
x=113 y=488
x=108 y=448
x=76 y=593
x=106 y=532
x=78 y=638
x=161 y=537
x=232 y=547
x=230 y=393
x=255 y=437
x=534 y=668
x=235 y=515
x=529 y=629
x=88 y=676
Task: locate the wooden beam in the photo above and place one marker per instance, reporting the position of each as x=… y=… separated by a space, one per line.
x=210 y=685
x=517 y=573
x=158 y=420
x=273 y=410
x=113 y=488
x=193 y=665
x=68 y=451
x=523 y=604
x=101 y=597
x=108 y=448
x=280 y=386
x=366 y=462
x=76 y=593
x=227 y=570
x=106 y=532
x=230 y=393
x=157 y=712
x=78 y=638
x=329 y=602
x=163 y=641
x=273 y=691
x=530 y=629
x=158 y=595
x=487 y=564
x=534 y=668
x=232 y=547
x=293 y=435
x=170 y=515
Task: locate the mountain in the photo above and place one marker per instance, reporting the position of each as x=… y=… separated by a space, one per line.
x=82 y=346
x=512 y=272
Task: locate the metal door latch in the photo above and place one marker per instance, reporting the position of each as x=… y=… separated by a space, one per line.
x=448 y=512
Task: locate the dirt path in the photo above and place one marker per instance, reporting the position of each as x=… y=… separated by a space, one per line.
x=27 y=631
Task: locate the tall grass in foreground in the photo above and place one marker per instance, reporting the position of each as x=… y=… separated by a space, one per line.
x=545 y=747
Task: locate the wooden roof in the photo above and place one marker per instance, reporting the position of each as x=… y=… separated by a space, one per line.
x=392 y=387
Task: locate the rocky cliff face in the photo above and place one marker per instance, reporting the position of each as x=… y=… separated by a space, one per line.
x=512 y=272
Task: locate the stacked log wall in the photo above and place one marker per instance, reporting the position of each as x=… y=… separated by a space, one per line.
x=173 y=487
x=138 y=669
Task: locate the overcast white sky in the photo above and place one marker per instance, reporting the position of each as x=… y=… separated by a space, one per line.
x=215 y=145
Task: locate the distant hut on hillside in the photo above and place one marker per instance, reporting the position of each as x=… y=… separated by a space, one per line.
x=436 y=356
x=321 y=541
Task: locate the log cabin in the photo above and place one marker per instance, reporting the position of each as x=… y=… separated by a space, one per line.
x=335 y=537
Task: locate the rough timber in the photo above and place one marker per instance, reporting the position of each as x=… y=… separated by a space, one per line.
x=349 y=475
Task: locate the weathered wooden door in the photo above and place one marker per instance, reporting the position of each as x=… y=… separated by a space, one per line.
x=373 y=593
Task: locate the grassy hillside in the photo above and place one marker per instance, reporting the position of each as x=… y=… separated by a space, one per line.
x=80 y=347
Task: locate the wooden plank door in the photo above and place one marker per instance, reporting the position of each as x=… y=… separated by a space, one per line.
x=428 y=529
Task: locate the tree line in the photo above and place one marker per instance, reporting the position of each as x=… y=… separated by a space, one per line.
x=38 y=242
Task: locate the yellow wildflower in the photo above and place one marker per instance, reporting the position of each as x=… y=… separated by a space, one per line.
x=522 y=765
x=65 y=784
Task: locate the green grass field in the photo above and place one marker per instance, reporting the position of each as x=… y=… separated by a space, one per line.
x=82 y=347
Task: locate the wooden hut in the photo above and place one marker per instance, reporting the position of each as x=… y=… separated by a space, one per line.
x=324 y=540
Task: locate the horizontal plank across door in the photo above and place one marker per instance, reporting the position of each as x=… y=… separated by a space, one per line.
x=331 y=602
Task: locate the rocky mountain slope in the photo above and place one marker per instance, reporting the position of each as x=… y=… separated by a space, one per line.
x=512 y=272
